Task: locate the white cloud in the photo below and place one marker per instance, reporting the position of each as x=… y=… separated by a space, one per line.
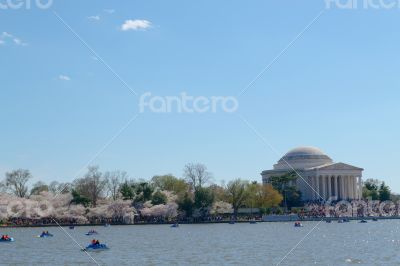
x=97 y=17
x=63 y=77
x=137 y=24
x=109 y=11
x=8 y=36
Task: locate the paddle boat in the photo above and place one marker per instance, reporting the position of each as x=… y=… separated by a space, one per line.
x=6 y=239
x=96 y=246
x=328 y=221
x=298 y=224
x=91 y=232
x=363 y=221
x=45 y=234
x=71 y=227
x=175 y=225
x=375 y=219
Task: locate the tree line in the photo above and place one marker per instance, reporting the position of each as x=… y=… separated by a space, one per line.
x=193 y=195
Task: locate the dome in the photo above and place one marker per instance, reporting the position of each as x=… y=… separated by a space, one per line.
x=304 y=151
x=302 y=158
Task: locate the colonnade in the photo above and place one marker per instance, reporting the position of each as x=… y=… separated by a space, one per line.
x=340 y=187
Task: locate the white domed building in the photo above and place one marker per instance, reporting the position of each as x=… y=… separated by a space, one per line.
x=318 y=177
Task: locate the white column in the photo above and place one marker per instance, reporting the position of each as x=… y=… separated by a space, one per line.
x=342 y=195
x=335 y=186
x=329 y=187
x=351 y=187
x=323 y=187
x=359 y=187
x=312 y=188
x=317 y=188
x=353 y=183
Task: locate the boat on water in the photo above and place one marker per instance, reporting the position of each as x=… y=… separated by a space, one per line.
x=363 y=221
x=91 y=232
x=374 y=219
x=72 y=227
x=328 y=221
x=298 y=224
x=96 y=247
x=6 y=239
x=45 y=234
x=174 y=225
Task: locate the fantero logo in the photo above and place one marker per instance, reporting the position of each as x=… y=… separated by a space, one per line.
x=185 y=103
x=25 y=4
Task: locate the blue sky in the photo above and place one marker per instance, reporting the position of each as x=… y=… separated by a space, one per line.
x=336 y=87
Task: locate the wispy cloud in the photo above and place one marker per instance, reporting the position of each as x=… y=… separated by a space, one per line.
x=64 y=77
x=97 y=17
x=109 y=11
x=137 y=24
x=5 y=36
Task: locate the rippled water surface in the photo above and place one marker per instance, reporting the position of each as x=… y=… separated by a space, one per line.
x=373 y=243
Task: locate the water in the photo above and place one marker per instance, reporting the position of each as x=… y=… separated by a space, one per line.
x=374 y=243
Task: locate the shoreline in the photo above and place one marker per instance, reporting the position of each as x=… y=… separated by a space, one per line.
x=210 y=222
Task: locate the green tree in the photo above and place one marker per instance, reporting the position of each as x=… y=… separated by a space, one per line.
x=127 y=191
x=170 y=183
x=237 y=194
x=158 y=198
x=144 y=192
x=186 y=204
x=384 y=192
x=203 y=198
x=79 y=199
x=285 y=185
x=370 y=189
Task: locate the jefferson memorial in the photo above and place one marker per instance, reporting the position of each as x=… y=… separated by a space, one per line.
x=318 y=177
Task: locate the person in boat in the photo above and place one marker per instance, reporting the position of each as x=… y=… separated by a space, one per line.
x=94 y=242
x=97 y=242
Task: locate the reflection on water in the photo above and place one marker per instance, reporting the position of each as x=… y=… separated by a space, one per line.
x=373 y=243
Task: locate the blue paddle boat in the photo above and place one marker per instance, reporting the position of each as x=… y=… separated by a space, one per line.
x=96 y=247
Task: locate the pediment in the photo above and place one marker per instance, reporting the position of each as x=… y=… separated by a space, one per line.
x=338 y=166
